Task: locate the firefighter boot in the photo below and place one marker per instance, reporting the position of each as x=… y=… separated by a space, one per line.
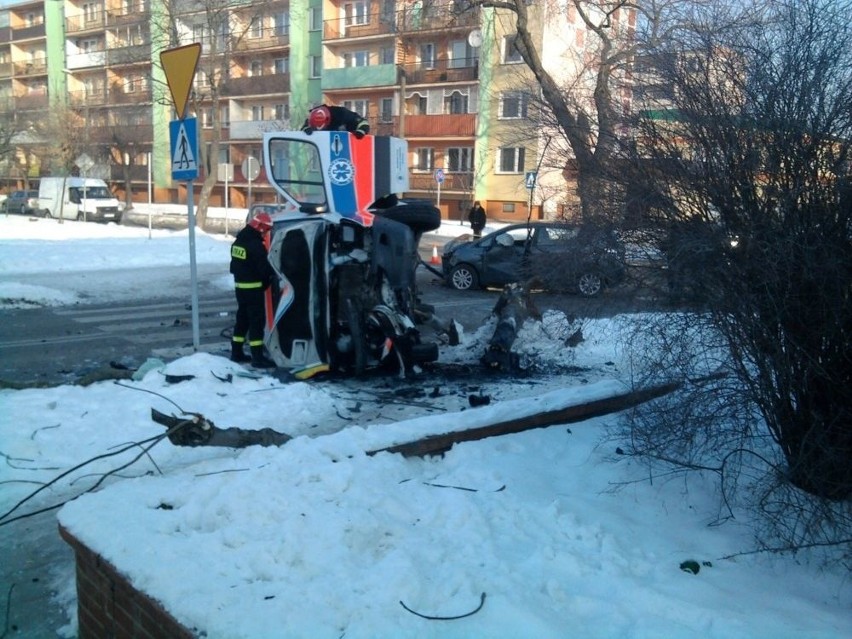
x=237 y=354
x=259 y=360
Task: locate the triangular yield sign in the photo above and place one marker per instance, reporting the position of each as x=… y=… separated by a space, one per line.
x=179 y=65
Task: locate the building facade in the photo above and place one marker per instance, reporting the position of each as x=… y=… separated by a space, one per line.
x=81 y=79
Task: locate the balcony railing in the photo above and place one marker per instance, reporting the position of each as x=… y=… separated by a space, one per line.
x=434 y=17
x=87 y=97
x=425 y=181
x=31 y=101
x=31 y=67
x=262 y=84
x=269 y=39
x=118 y=95
x=6 y=69
x=132 y=54
x=85 y=22
x=457 y=70
x=461 y=125
x=25 y=33
x=124 y=15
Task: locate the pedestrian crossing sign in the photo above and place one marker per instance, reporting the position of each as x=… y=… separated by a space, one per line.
x=183 y=135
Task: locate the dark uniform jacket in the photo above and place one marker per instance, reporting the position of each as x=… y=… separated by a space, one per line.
x=343 y=119
x=249 y=264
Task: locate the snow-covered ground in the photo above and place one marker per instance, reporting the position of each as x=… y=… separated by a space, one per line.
x=547 y=533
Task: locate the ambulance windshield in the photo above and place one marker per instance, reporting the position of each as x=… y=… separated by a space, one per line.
x=296 y=169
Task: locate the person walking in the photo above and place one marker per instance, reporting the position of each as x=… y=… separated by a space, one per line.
x=252 y=276
x=477 y=218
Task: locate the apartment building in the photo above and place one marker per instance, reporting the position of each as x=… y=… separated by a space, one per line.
x=439 y=73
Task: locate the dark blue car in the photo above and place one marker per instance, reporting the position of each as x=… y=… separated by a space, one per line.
x=549 y=255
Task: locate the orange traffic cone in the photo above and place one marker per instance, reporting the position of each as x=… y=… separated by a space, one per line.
x=435 y=259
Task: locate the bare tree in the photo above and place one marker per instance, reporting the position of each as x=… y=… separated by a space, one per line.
x=223 y=25
x=752 y=168
x=586 y=110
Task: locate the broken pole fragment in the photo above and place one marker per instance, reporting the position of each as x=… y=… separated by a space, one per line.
x=439 y=444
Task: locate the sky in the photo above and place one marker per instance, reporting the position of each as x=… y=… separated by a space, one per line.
x=546 y=533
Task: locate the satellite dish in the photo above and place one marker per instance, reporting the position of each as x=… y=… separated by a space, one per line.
x=474 y=38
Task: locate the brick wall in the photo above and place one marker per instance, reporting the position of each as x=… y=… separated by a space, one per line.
x=109 y=607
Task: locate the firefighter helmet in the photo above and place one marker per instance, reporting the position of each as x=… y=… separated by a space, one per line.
x=261 y=222
x=319 y=118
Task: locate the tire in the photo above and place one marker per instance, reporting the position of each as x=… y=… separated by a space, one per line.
x=46 y=214
x=590 y=284
x=420 y=217
x=23 y=210
x=464 y=277
x=79 y=217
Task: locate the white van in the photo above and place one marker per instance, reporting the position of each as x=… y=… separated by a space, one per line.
x=76 y=198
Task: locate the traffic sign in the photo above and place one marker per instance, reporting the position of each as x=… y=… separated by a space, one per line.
x=439 y=175
x=179 y=65
x=183 y=136
x=529 y=179
x=250 y=168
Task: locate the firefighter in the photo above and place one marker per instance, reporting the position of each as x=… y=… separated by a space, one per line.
x=252 y=276
x=335 y=118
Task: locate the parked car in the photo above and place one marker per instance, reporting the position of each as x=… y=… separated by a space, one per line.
x=556 y=256
x=23 y=202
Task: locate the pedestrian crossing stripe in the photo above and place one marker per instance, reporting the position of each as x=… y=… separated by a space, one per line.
x=184 y=148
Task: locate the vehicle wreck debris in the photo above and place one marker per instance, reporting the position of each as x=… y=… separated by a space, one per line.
x=513 y=307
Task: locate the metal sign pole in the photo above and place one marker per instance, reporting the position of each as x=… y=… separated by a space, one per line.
x=192 y=267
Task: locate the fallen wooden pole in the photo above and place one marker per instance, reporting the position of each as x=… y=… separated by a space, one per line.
x=438 y=444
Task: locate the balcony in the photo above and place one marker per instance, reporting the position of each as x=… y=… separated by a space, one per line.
x=28 y=33
x=31 y=101
x=86 y=22
x=375 y=24
x=119 y=95
x=124 y=16
x=378 y=75
x=253 y=129
x=452 y=181
x=87 y=97
x=127 y=55
x=273 y=84
x=436 y=17
x=462 y=125
x=6 y=69
x=31 y=67
x=269 y=39
x=441 y=71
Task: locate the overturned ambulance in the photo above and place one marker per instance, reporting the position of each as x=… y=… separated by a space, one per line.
x=345 y=251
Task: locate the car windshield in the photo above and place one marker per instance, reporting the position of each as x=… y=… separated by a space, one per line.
x=92 y=192
x=296 y=168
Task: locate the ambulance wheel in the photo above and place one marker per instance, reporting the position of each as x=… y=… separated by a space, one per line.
x=420 y=217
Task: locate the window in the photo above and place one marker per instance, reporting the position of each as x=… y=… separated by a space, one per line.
x=421 y=105
x=316 y=66
x=511 y=160
x=387 y=55
x=91 y=11
x=356 y=59
x=256 y=29
x=513 y=104
x=282 y=23
x=424 y=159
x=86 y=45
x=207 y=118
x=461 y=54
x=455 y=103
x=281 y=111
x=282 y=65
x=225 y=117
x=460 y=159
x=256 y=68
x=359 y=106
x=509 y=207
x=314 y=18
x=511 y=55
x=386 y=110
x=427 y=55
x=257 y=113
x=356 y=13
